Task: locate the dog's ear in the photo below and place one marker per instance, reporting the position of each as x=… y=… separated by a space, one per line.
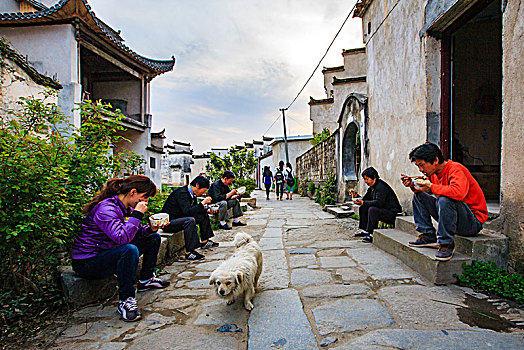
x=212 y=280
x=240 y=277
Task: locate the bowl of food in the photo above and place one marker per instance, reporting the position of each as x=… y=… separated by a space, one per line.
x=213 y=207
x=420 y=181
x=159 y=219
x=241 y=190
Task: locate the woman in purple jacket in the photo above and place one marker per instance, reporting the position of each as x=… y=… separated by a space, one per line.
x=111 y=239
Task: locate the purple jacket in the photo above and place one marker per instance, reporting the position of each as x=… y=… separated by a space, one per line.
x=108 y=225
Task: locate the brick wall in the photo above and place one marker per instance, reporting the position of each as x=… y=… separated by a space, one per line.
x=319 y=161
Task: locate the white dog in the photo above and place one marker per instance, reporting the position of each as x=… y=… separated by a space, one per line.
x=239 y=274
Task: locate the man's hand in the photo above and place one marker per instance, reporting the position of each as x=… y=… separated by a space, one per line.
x=406 y=181
x=359 y=201
x=424 y=187
x=207 y=200
x=141 y=207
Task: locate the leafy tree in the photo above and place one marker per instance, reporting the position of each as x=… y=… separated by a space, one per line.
x=49 y=170
x=242 y=163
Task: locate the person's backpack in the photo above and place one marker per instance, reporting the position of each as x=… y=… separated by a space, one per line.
x=279 y=176
x=290 y=179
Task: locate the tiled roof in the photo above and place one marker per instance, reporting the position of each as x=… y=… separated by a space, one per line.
x=8 y=52
x=332 y=69
x=354 y=50
x=361 y=8
x=349 y=80
x=65 y=10
x=313 y=101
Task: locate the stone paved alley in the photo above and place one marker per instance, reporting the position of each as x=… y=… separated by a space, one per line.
x=319 y=287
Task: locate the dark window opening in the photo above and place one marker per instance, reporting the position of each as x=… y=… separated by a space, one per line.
x=152 y=163
x=369 y=27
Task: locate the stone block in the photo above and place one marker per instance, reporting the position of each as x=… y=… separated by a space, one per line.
x=422 y=260
x=251 y=201
x=175 y=242
x=339 y=212
x=78 y=291
x=486 y=246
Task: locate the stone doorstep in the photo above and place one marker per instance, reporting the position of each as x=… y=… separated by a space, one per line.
x=339 y=212
x=422 y=260
x=78 y=291
x=251 y=201
x=486 y=246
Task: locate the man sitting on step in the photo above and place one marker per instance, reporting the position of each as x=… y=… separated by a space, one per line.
x=226 y=198
x=451 y=196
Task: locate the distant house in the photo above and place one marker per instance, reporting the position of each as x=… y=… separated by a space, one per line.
x=198 y=164
x=89 y=59
x=176 y=164
x=18 y=78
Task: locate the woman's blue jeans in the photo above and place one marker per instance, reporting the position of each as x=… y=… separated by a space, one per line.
x=454 y=217
x=123 y=261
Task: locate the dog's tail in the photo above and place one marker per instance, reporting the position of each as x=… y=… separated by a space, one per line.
x=242 y=238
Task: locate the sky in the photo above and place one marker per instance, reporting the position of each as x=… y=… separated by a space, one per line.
x=237 y=62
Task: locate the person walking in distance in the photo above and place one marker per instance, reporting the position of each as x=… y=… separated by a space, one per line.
x=290 y=181
x=268 y=180
x=279 y=180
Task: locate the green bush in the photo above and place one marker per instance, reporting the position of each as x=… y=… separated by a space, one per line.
x=49 y=170
x=321 y=136
x=311 y=187
x=327 y=195
x=302 y=187
x=486 y=278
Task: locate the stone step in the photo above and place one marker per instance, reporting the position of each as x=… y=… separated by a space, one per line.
x=422 y=260
x=339 y=212
x=486 y=246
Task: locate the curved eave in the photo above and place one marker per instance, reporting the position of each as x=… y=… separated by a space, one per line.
x=67 y=11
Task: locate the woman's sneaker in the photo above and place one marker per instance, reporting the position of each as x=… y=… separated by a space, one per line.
x=129 y=310
x=209 y=244
x=424 y=241
x=152 y=283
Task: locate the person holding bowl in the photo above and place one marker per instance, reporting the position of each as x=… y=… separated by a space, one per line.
x=226 y=198
x=111 y=240
x=380 y=203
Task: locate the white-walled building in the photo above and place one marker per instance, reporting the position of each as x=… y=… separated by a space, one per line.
x=176 y=164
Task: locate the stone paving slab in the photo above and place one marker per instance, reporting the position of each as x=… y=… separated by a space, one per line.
x=201 y=283
x=276 y=223
x=348 y=315
x=275 y=272
x=351 y=274
x=278 y=322
x=273 y=232
x=379 y=265
x=331 y=252
x=302 y=251
x=302 y=260
x=336 y=290
x=309 y=277
x=217 y=313
x=185 y=337
x=331 y=244
x=329 y=262
x=271 y=243
x=257 y=222
x=413 y=305
x=437 y=339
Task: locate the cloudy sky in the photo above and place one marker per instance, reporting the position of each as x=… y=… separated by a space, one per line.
x=237 y=62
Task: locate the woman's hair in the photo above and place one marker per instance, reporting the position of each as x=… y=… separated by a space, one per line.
x=428 y=152
x=267 y=172
x=288 y=165
x=113 y=187
x=281 y=164
x=371 y=173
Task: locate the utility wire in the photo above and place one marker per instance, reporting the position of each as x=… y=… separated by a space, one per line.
x=318 y=65
x=380 y=25
x=323 y=56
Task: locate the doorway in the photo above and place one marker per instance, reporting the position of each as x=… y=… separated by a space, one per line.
x=472 y=95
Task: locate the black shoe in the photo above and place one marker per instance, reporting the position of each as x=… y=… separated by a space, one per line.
x=152 y=283
x=208 y=244
x=445 y=252
x=361 y=234
x=129 y=310
x=194 y=256
x=238 y=223
x=224 y=227
x=368 y=239
x=424 y=241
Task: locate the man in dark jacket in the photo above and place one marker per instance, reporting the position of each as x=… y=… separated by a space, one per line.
x=380 y=203
x=225 y=198
x=185 y=213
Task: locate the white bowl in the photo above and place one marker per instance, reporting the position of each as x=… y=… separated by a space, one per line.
x=159 y=219
x=241 y=190
x=419 y=182
x=213 y=207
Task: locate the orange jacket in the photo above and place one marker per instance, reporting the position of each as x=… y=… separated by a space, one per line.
x=456 y=182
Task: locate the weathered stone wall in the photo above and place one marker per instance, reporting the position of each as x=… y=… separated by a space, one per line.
x=321 y=160
x=512 y=178
x=396 y=82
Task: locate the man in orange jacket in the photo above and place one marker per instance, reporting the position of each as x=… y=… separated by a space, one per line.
x=457 y=203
